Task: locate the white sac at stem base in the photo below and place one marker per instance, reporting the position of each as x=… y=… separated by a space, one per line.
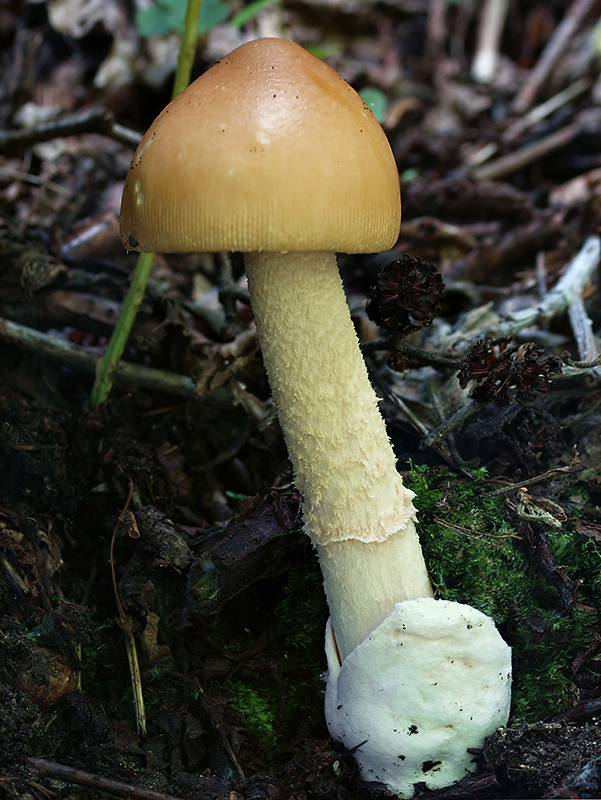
x=433 y=679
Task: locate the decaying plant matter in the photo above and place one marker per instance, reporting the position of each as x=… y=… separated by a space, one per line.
x=220 y=591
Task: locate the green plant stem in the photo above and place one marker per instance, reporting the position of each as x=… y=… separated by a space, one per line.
x=108 y=364
x=110 y=360
x=187 y=50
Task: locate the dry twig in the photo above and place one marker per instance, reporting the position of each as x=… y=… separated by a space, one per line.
x=551 y=54
x=79 y=358
x=51 y=769
x=127 y=521
x=94 y=120
x=492 y=22
x=512 y=162
x=564 y=294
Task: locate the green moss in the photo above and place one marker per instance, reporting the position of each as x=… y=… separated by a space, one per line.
x=258 y=711
x=475 y=556
x=299 y=630
x=276 y=705
x=302 y=612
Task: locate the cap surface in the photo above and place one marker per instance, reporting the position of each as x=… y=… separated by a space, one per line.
x=270 y=149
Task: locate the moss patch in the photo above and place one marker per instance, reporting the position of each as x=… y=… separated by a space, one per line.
x=476 y=555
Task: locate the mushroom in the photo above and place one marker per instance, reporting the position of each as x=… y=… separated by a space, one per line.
x=271 y=153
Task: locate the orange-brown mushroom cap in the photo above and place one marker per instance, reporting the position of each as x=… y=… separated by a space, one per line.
x=269 y=150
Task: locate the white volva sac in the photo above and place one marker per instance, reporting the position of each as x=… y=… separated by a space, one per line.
x=431 y=681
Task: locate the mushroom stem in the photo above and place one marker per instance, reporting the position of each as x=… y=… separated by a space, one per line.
x=363 y=582
x=357 y=511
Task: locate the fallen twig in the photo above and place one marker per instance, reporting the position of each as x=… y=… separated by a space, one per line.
x=512 y=162
x=79 y=358
x=50 y=769
x=566 y=291
x=522 y=124
x=544 y=476
x=439 y=434
x=551 y=54
x=95 y=120
x=544 y=110
x=492 y=22
x=127 y=521
x=582 y=328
